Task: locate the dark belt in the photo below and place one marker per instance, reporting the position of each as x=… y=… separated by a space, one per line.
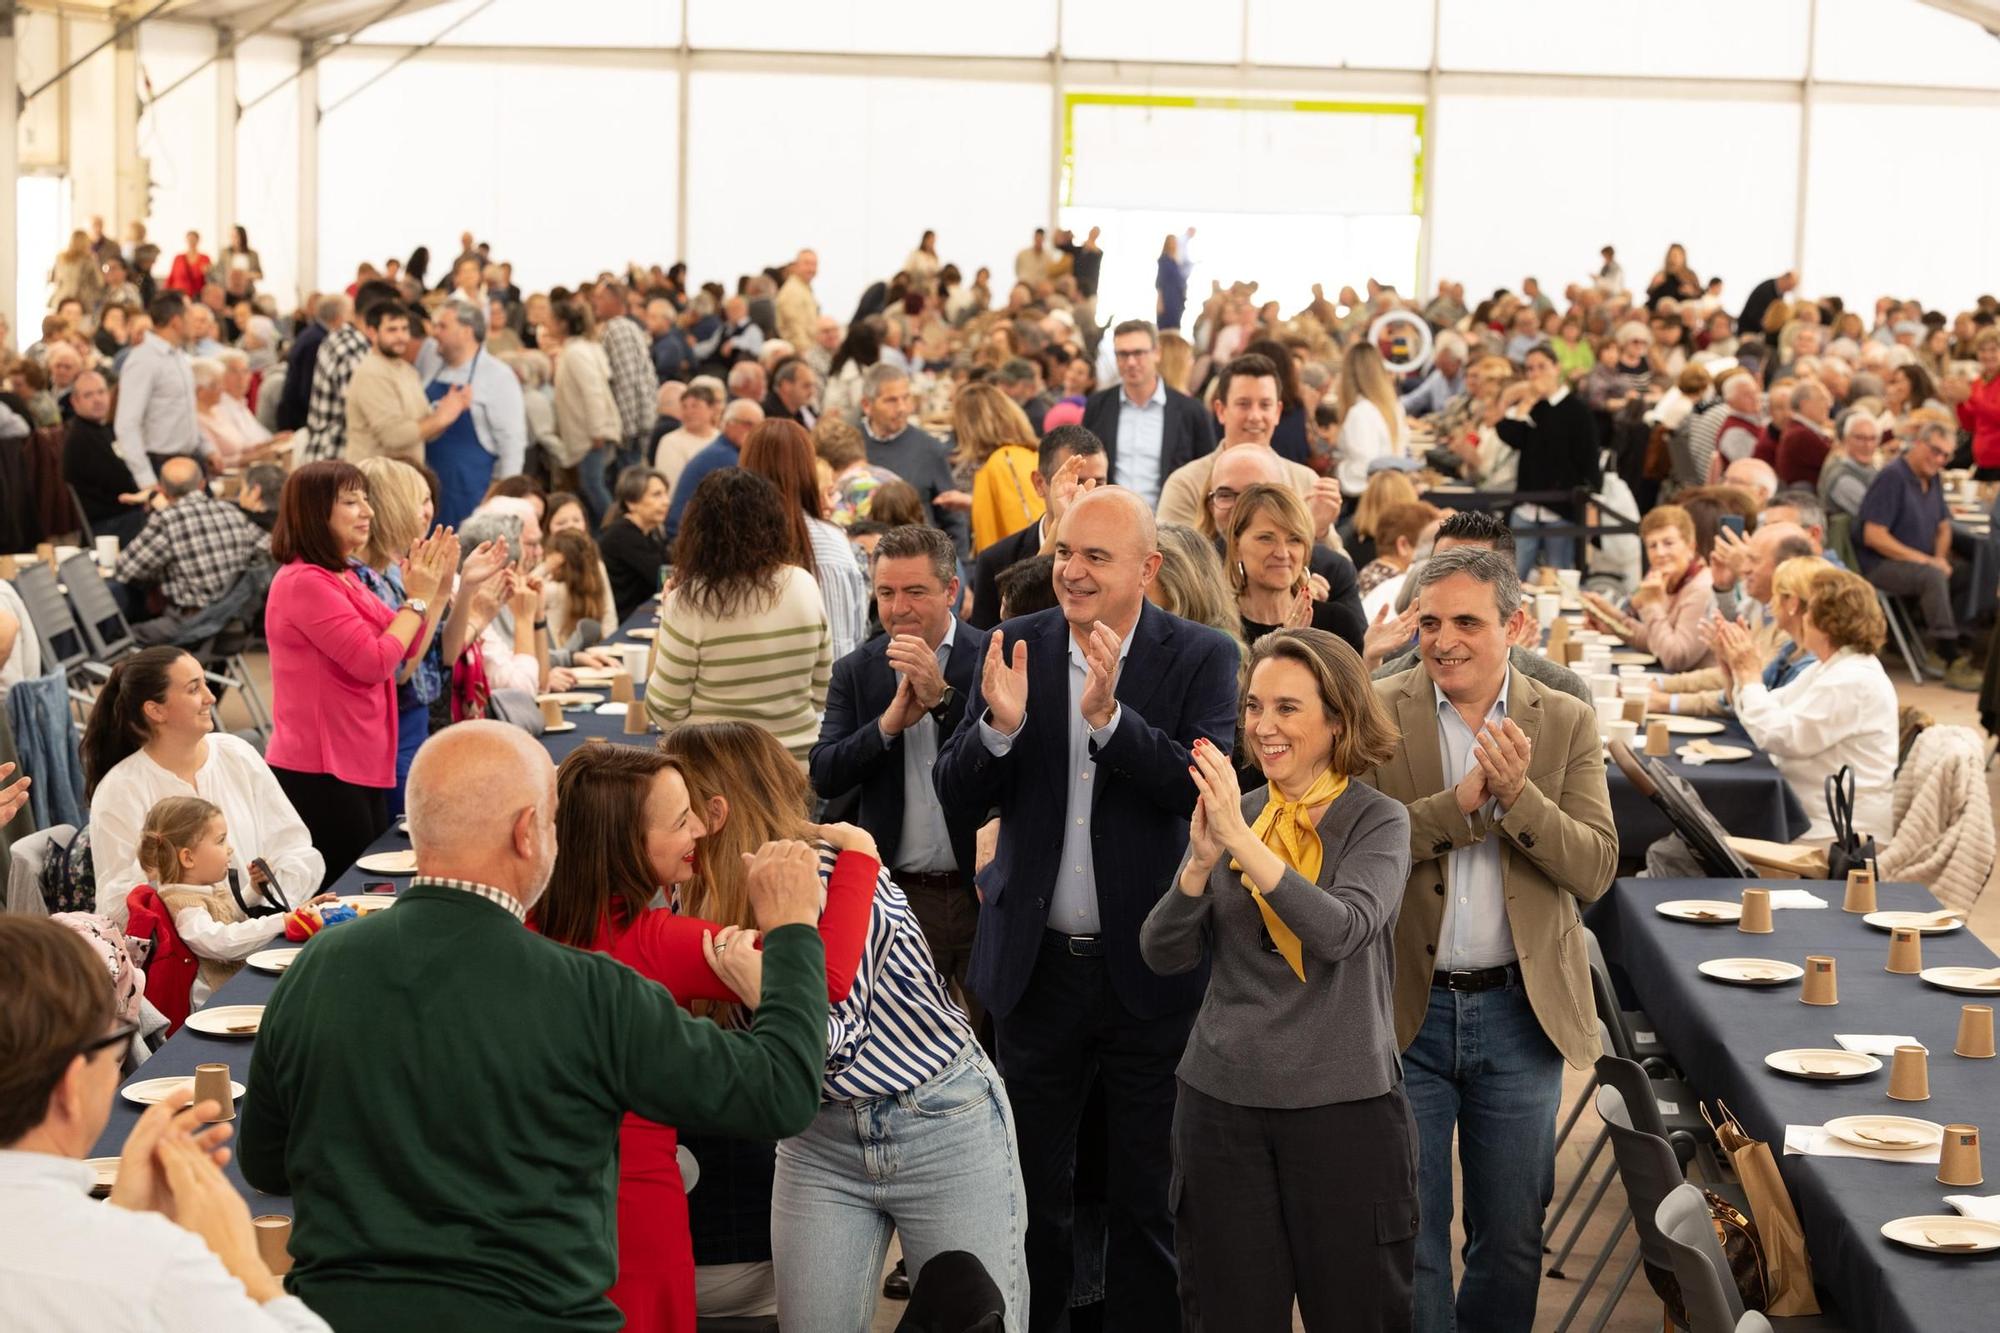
x=1478 y=978
x=1077 y=946
x=941 y=880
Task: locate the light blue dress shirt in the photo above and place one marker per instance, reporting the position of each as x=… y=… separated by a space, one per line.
x=1142 y=434
x=499 y=412
x=1474 y=932
x=1431 y=396
x=1073 y=903
x=926 y=842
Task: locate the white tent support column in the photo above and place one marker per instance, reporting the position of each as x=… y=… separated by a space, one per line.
x=307 y=273
x=133 y=205
x=227 y=112
x=10 y=174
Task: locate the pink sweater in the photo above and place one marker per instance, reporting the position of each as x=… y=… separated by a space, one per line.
x=333 y=677
x=1671 y=629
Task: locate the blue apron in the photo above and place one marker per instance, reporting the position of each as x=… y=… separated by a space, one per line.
x=463 y=466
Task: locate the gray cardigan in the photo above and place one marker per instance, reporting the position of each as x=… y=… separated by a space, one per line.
x=1263 y=1038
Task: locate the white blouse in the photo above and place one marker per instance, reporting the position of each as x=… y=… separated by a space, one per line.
x=262 y=823
x=69 y=1262
x=1364 y=437
x=222 y=941
x=1838 y=712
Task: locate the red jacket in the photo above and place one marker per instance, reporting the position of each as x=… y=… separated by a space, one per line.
x=188 y=276
x=1801 y=452
x=170 y=965
x=1980 y=414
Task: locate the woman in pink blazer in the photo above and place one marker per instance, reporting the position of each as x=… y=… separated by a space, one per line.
x=335 y=651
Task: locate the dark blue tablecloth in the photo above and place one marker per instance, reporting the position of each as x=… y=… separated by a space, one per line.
x=1720 y=1034
x=1749 y=797
x=188 y=1048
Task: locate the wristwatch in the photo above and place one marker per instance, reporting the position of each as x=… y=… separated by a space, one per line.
x=419 y=605
x=937 y=710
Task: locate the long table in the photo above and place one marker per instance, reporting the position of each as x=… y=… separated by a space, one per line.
x=1719 y=1035
x=1748 y=797
x=188 y=1048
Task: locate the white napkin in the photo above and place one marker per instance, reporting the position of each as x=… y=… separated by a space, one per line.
x=1814 y=1141
x=1869 y=1043
x=1985 y=1207
x=1795 y=898
x=613 y=709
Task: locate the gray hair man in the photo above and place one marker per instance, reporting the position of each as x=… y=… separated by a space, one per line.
x=1905 y=545
x=1854 y=464
x=1488 y=958
x=898 y=444
x=1445 y=381
x=491 y=439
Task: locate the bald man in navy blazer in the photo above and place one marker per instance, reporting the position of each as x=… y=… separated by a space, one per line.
x=1078 y=734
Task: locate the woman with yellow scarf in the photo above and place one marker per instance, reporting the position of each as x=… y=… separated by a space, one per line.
x=1295 y=1154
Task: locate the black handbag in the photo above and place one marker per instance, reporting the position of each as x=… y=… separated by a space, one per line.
x=1850 y=851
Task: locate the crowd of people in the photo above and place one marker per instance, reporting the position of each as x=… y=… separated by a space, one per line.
x=1086 y=835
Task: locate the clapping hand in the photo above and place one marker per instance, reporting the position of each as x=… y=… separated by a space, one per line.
x=14 y=795
x=1652 y=588
x=140 y=1186
x=1389 y=634
x=429 y=563
x=1728 y=558
x=486 y=560
x=205 y=1203
x=1065 y=487
x=1100 y=652
x=1324 y=503
x=1221 y=799
x=525 y=598
x=1300 y=613
x=1503 y=751
x=1004 y=684
x=919 y=683
x=1737 y=652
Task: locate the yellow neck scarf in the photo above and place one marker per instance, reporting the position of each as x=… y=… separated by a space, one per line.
x=1286 y=827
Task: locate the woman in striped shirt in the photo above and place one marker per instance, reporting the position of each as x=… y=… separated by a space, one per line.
x=743 y=632
x=914 y=1133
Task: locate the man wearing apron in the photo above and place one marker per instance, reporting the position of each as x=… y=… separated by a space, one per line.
x=489 y=438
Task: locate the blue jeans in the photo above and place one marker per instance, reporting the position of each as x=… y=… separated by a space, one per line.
x=1556 y=552
x=938 y=1165
x=591 y=483
x=1481 y=1064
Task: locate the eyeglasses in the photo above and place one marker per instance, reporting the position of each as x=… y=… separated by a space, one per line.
x=1223 y=495
x=118 y=1036
x=1134 y=354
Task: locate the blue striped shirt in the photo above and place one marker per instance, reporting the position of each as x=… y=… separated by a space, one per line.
x=897 y=1028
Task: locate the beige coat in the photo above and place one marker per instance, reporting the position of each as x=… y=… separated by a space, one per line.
x=1944 y=820
x=586 y=413
x=798 y=313
x=1559 y=849
x=385 y=410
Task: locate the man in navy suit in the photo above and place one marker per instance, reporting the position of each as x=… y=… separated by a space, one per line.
x=891 y=703
x=1078 y=733
x=1057 y=487
x=1148 y=429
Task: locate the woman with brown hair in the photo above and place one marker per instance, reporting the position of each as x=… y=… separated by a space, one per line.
x=1269 y=544
x=1294 y=1144
x=575 y=587
x=995 y=446
x=743 y=632
x=629 y=828
x=1671 y=602
x=902 y=1069
x=335 y=654
x=1385 y=491
x=781 y=452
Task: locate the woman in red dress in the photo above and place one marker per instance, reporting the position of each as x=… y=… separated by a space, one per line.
x=628 y=832
x=189 y=273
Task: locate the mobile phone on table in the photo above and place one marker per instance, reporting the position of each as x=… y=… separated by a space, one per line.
x=378 y=886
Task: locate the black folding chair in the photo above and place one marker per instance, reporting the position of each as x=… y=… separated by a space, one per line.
x=1682 y=806
x=63 y=641
x=97 y=611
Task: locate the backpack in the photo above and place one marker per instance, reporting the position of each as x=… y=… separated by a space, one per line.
x=69 y=880
x=171 y=966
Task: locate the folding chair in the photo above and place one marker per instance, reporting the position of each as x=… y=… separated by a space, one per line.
x=1903 y=633
x=98 y=614
x=1683 y=807
x=64 y=647
x=1686 y=1236
x=82 y=519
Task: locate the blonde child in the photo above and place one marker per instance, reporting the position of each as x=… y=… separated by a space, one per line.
x=184 y=850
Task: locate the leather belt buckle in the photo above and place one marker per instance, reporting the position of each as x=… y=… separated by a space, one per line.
x=1082 y=946
x=1467 y=980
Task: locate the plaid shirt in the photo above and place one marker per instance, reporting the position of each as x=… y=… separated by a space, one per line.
x=635 y=384
x=326 y=407
x=498 y=897
x=195 y=548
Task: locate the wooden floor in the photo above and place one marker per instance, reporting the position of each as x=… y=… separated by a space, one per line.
x=1639 y=1311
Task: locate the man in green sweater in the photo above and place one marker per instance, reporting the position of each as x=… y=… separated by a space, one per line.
x=440 y=1089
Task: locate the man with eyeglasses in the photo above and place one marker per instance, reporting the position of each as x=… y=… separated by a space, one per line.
x=176 y=1229
x=1905 y=546
x=1148 y=429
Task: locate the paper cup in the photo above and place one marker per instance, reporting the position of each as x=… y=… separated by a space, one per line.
x=1635 y=710
x=636 y=721
x=621 y=687
x=1756 y=918
x=1569 y=580
x=1910 y=1075
x=1546 y=577
x=211 y=1084
x=1906 y=951
x=636 y=655
x=1624 y=731
x=551 y=713
x=1609 y=711
x=1975 y=1032
x=9 y=567
x=1822 y=983
x=1658 y=741
x=107 y=550
x=1548 y=608
x=274 y=1239
x=1860 y=891
x=1958 y=1159
x=1604 y=685
x=1572 y=653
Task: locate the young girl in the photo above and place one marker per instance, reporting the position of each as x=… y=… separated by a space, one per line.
x=184 y=850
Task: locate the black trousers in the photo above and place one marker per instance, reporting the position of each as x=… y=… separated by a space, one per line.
x=342 y=818
x=1068 y=1026
x=1318 y=1203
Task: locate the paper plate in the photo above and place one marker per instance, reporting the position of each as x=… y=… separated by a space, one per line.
x=1636 y=659
x=107 y=1173
x=389 y=863
x=229 y=1020
x=570 y=698
x=557 y=728
x=1823 y=1064
x=1708 y=752
x=601 y=674
x=1706 y=911
x=364 y=903
x=1924 y=923
x=1686 y=726
x=1964 y=980
x=1892 y=1133
x=643 y=632
x=149 y=1090
x=1944 y=1233
x=273 y=960
x=1750 y=971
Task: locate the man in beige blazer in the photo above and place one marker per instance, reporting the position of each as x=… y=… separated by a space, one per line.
x=1510 y=829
